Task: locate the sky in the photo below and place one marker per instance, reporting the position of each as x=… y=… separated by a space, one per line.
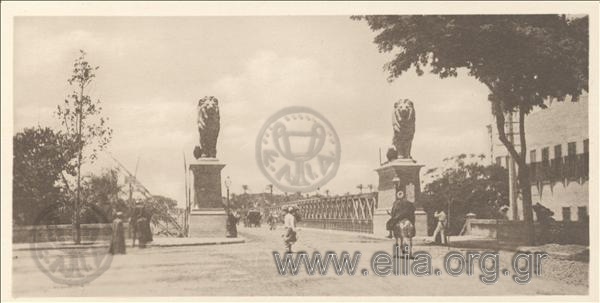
x=153 y=70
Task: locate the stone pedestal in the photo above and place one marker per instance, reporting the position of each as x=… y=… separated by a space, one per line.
x=407 y=171
x=207 y=218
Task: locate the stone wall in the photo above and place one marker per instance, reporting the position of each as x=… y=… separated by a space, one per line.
x=513 y=231
x=483 y=228
x=51 y=233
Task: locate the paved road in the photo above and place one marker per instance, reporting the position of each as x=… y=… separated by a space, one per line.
x=249 y=270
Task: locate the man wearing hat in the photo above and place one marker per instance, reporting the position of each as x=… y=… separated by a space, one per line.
x=402 y=209
x=117 y=243
x=289 y=220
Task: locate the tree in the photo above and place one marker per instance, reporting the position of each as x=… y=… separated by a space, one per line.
x=105 y=191
x=41 y=159
x=162 y=209
x=81 y=118
x=466 y=186
x=522 y=59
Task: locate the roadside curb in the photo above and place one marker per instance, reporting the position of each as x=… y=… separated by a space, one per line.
x=176 y=242
x=218 y=242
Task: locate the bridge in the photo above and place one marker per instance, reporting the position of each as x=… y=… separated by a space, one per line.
x=348 y=213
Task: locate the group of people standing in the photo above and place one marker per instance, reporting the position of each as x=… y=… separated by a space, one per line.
x=139 y=227
x=139 y=224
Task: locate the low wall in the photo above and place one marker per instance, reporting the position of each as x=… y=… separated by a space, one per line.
x=52 y=233
x=559 y=232
x=361 y=226
x=514 y=231
x=483 y=227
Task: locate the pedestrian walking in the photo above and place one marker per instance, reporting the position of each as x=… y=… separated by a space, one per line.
x=272 y=220
x=442 y=222
x=231 y=224
x=289 y=237
x=117 y=242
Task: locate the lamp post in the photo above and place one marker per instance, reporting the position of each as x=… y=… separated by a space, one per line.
x=270 y=188
x=227 y=185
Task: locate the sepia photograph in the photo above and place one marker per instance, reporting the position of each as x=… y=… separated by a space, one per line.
x=278 y=151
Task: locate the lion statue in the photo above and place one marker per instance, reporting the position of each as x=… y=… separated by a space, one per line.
x=208 y=127
x=403 y=121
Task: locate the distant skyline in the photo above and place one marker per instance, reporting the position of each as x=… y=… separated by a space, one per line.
x=153 y=70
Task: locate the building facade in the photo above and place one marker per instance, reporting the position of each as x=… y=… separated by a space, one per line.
x=557 y=157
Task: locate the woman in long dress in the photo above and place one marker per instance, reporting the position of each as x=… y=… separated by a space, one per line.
x=117 y=243
x=143 y=232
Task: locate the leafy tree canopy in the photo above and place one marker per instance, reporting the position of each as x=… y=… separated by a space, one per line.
x=464 y=186
x=523 y=59
x=41 y=159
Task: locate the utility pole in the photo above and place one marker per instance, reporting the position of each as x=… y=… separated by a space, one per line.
x=271 y=188
x=491 y=133
x=512 y=172
x=186 y=218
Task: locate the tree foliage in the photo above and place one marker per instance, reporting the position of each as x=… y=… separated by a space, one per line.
x=105 y=191
x=41 y=159
x=163 y=209
x=82 y=120
x=524 y=60
x=466 y=186
x=109 y=195
x=81 y=116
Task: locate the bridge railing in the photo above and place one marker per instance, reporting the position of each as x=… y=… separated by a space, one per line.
x=348 y=213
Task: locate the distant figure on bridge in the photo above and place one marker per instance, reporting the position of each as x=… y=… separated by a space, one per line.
x=440 y=229
x=402 y=209
x=237 y=218
x=272 y=220
x=289 y=237
x=117 y=242
x=231 y=224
